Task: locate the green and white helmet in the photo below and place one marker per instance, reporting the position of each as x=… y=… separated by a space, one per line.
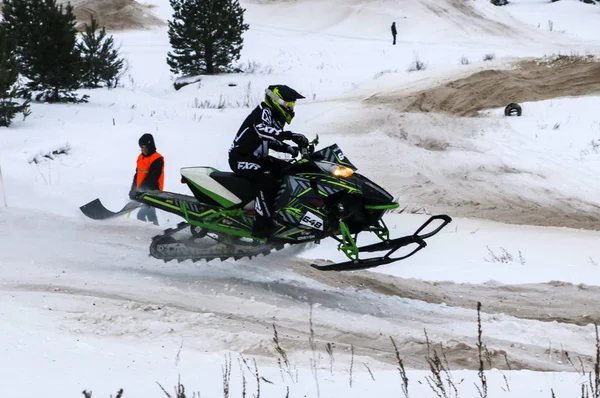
x=282 y=100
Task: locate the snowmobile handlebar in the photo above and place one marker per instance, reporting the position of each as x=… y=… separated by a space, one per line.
x=306 y=151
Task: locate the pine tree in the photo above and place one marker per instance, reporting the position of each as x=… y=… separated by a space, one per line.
x=17 y=20
x=206 y=36
x=9 y=73
x=46 y=38
x=100 y=61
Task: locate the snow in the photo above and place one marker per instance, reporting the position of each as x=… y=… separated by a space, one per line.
x=83 y=306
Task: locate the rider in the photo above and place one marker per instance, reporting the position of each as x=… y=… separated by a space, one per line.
x=249 y=154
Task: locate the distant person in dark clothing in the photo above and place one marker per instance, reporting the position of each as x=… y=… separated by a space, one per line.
x=394 y=32
x=149 y=175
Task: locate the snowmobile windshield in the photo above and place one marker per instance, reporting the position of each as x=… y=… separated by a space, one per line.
x=333 y=154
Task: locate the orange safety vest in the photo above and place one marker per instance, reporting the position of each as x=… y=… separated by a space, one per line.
x=143 y=166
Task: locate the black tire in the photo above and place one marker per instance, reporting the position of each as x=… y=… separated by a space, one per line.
x=513 y=109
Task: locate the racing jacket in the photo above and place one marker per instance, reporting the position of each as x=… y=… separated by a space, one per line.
x=260 y=132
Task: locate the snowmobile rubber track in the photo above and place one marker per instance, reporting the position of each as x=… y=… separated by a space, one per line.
x=165 y=247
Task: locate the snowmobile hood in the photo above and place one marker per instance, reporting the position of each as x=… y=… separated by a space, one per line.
x=148 y=140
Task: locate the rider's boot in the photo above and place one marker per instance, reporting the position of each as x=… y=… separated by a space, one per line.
x=263 y=229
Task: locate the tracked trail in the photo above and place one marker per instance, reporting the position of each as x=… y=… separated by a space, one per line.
x=432 y=125
x=529 y=80
x=548 y=302
x=359 y=309
x=120 y=293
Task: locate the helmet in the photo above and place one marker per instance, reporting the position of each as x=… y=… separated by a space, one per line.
x=282 y=100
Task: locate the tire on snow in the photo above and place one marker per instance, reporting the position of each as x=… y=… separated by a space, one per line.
x=513 y=109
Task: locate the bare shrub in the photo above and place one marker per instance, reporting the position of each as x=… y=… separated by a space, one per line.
x=417 y=65
x=282 y=360
x=179 y=390
x=481 y=348
x=329 y=350
x=504 y=257
x=401 y=369
x=351 y=363
x=254 y=371
x=208 y=104
x=440 y=380
x=51 y=155
x=594 y=380
x=489 y=56
x=464 y=60
x=254 y=68
x=226 y=370
x=88 y=394
x=384 y=72
x=248 y=101
x=313 y=348
x=369 y=370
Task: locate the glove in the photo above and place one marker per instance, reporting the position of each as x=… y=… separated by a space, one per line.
x=132 y=191
x=299 y=139
x=292 y=150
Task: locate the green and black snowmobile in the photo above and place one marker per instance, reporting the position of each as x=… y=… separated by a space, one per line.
x=320 y=196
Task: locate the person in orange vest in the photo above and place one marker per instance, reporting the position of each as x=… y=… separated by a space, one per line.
x=149 y=175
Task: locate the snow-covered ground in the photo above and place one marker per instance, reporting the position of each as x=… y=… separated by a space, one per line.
x=82 y=306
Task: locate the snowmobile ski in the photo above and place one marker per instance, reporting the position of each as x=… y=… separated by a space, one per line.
x=96 y=210
x=391 y=245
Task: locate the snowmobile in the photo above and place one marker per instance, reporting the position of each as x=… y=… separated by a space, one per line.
x=320 y=196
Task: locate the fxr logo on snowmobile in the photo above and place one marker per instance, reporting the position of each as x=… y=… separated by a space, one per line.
x=247 y=166
x=312 y=220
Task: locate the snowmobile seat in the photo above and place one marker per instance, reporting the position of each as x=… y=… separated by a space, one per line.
x=240 y=187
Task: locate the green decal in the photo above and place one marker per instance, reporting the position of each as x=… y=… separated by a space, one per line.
x=390 y=206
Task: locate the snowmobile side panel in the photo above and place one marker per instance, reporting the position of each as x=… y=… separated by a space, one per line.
x=96 y=210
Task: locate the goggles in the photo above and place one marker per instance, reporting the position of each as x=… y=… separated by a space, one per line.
x=287 y=104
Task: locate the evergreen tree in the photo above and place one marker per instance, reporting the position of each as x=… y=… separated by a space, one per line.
x=100 y=61
x=206 y=36
x=18 y=20
x=46 y=38
x=9 y=73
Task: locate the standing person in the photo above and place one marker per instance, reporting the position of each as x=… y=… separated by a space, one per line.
x=149 y=175
x=249 y=154
x=394 y=32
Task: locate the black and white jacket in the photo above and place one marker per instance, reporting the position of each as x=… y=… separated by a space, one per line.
x=260 y=132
